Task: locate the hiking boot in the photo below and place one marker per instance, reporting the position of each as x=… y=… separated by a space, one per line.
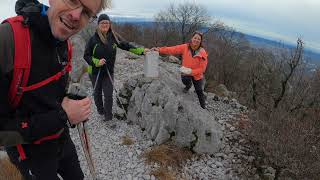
x=203 y=106
x=101 y=111
x=202 y=101
x=107 y=118
x=185 y=90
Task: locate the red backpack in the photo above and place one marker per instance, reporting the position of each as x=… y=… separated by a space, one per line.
x=22 y=66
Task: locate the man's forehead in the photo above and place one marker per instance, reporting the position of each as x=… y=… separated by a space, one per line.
x=93 y=5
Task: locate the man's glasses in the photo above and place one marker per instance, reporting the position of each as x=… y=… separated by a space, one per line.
x=86 y=13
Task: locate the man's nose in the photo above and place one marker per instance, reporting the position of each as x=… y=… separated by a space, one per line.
x=76 y=13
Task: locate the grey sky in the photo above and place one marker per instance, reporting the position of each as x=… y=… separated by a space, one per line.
x=282 y=20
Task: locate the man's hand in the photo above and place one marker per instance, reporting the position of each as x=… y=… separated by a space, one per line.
x=77 y=110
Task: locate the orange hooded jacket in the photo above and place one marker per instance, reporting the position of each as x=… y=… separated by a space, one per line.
x=198 y=63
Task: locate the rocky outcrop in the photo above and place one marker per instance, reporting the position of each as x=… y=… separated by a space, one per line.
x=172 y=59
x=160 y=108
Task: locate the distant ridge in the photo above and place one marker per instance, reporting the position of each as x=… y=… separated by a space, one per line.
x=130 y=19
x=259 y=42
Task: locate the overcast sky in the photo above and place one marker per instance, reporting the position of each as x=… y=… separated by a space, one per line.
x=282 y=20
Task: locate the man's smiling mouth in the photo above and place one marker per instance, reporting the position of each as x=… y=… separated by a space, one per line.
x=66 y=24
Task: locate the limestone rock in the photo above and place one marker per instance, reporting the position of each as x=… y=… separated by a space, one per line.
x=160 y=107
x=172 y=59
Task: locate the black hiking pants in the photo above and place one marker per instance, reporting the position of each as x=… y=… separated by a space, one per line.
x=45 y=161
x=188 y=81
x=104 y=85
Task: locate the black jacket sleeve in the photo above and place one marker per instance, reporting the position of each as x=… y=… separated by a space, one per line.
x=127 y=46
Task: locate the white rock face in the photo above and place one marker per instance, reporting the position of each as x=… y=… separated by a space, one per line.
x=161 y=109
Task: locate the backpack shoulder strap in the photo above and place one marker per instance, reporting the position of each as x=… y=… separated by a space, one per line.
x=55 y=77
x=22 y=58
x=69 y=51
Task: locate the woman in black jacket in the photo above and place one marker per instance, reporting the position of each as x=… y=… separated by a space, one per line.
x=100 y=54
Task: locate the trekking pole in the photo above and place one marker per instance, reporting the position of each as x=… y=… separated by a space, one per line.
x=77 y=93
x=96 y=82
x=85 y=142
x=117 y=95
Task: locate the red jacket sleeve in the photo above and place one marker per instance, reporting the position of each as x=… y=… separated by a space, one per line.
x=173 y=50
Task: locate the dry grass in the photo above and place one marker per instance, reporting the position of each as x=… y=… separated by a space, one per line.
x=126 y=140
x=164 y=174
x=243 y=121
x=8 y=171
x=168 y=155
x=170 y=158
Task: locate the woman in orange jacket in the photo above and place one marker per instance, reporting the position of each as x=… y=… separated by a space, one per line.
x=194 y=63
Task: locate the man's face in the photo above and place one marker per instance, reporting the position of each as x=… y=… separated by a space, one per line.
x=66 y=21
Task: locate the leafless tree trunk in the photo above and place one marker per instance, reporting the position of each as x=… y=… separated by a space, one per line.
x=184 y=19
x=293 y=63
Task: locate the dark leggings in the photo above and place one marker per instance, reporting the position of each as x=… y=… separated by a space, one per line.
x=104 y=85
x=46 y=160
x=188 y=81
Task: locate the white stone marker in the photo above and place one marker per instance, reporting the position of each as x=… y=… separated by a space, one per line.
x=151 y=64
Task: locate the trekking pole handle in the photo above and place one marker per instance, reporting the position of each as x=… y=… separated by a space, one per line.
x=76 y=92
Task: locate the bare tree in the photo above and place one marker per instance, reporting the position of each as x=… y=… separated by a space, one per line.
x=129 y=31
x=227 y=49
x=183 y=19
x=288 y=71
